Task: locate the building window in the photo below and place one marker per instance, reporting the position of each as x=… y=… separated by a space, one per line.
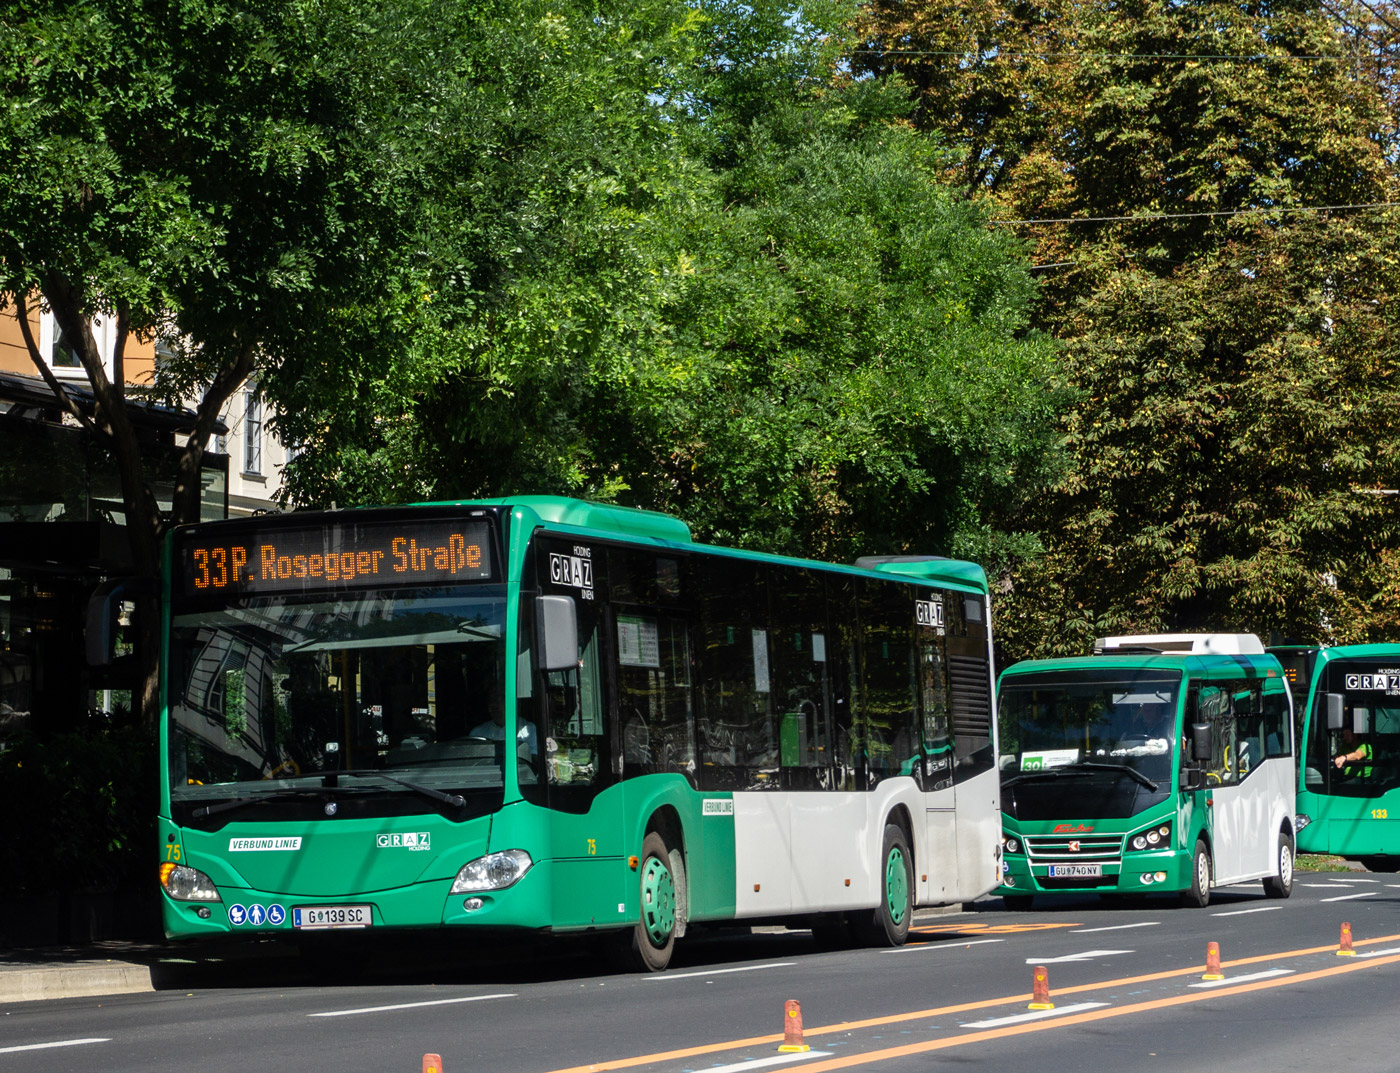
x=63 y=355
x=252 y=433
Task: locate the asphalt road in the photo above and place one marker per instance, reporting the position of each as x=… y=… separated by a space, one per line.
x=1125 y=980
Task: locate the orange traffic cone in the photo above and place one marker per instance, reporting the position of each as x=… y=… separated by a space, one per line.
x=1345 y=950
x=1040 y=990
x=1213 y=963
x=432 y=1063
x=792 y=1027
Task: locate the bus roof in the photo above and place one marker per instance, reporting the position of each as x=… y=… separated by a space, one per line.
x=1230 y=644
x=649 y=524
x=1206 y=664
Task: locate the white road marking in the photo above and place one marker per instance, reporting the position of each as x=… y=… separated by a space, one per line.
x=1326 y=886
x=760 y=1063
x=1245 y=979
x=1380 y=953
x=719 y=972
x=410 y=1005
x=1116 y=927
x=946 y=944
x=1358 y=880
x=1087 y=955
x=1349 y=897
x=1242 y=912
x=59 y=1043
x=1038 y=1015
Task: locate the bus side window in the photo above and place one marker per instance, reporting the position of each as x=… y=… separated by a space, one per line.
x=1276 y=725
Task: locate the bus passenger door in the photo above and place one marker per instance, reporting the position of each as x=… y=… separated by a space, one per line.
x=1225 y=811
x=577 y=773
x=940 y=862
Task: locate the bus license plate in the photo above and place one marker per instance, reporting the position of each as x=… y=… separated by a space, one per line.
x=1075 y=871
x=332 y=916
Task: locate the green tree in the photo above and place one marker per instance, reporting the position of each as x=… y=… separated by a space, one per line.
x=1143 y=129
x=206 y=173
x=752 y=304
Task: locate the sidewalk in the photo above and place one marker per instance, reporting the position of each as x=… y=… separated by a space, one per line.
x=117 y=967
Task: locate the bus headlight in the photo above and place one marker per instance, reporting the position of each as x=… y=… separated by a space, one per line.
x=1301 y=821
x=1153 y=838
x=186 y=884
x=1011 y=844
x=495 y=871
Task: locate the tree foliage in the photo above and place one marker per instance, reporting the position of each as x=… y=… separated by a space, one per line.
x=1214 y=478
x=750 y=301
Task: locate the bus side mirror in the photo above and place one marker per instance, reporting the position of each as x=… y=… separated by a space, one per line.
x=558 y=632
x=1361 y=720
x=1193 y=778
x=103 y=610
x=1200 y=742
x=1335 y=705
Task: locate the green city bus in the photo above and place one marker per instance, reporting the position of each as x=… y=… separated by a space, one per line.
x=1348 y=701
x=1163 y=763
x=550 y=715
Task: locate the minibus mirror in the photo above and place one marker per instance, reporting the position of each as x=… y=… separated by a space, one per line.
x=558 y=632
x=1361 y=720
x=1335 y=704
x=1200 y=742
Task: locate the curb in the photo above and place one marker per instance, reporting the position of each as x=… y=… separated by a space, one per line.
x=75 y=981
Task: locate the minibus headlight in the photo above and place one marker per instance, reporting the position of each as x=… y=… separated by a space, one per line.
x=495 y=871
x=1158 y=837
x=186 y=884
x=1011 y=844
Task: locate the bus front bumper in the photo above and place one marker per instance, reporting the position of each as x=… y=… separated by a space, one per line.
x=249 y=913
x=1137 y=873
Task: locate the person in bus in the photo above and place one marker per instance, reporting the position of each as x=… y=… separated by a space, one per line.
x=1355 y=758
x=1148 y=732
x=494 y=728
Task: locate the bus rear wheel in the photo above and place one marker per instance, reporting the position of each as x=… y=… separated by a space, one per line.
x=1281 y=885
x=889 y=925
x=647 y=947
x=1198 y=894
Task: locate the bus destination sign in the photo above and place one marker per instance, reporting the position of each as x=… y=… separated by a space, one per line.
x=277 y=559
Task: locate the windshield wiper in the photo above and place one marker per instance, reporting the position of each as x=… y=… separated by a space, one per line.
x=455 y=800
x=1121 y=769
x=1048 y=773
x=1082 y=767
x=253 y=799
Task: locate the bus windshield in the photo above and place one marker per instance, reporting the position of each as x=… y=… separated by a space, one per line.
x=1107 y=724
x=380 y=693
x=1367 y=695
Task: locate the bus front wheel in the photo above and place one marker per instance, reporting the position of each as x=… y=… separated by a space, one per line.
x=1281 y=885
x=647 y=947
x=1198 y=895
x=889 y=925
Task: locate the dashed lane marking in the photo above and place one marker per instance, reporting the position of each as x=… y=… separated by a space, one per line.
x=1039 y=1015
x=409 y=1005
x=951 y=944
x=56 y=1043
x=720 y=972
x=1351 y=897
x=1242 y=912
x=1117 y=927
x=760 y=1063
x=1244 y=979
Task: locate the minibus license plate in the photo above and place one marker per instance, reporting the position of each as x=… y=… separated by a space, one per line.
x=1075 y=871
x=332 y=916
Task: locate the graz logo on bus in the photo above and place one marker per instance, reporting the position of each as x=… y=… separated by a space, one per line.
x=575 y=570
x=1385 y=678
x=1072 y=828
x=929 y=613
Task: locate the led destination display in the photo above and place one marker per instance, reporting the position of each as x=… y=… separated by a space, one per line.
x=367 y=554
